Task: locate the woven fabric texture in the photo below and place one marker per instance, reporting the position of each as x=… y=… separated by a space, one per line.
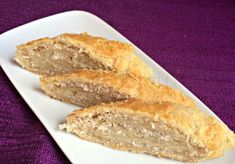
x=193 y=40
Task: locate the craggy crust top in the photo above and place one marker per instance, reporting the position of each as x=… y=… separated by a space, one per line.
x=117 y=56
x=128 y=84
x=202 y=130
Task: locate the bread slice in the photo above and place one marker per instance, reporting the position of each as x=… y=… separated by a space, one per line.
x=90 y=87
x=165 y=130
x=68 y=52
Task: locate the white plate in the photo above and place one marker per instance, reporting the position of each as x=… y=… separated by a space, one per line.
x=52 y=112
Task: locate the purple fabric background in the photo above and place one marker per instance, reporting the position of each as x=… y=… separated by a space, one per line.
x=194 y=41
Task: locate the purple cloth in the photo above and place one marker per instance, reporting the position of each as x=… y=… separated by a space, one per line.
x=194 y=41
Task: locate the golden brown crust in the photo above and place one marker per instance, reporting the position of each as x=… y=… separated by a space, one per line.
x=33 y=42
x=117 y=56
x=127 y=84
x=203 y=130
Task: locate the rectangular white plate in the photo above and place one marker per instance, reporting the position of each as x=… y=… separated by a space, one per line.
x=52 y=112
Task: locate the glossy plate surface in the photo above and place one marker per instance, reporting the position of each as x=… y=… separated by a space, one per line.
x=52 y=112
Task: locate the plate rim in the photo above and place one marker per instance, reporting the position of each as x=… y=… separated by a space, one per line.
x=48 y=18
